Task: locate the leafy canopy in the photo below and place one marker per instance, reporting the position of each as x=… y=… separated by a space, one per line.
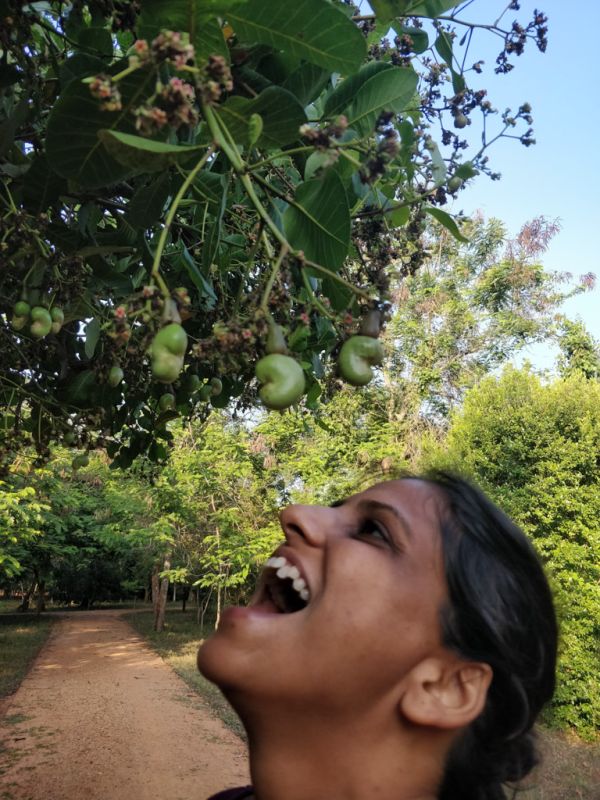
x=214 y=165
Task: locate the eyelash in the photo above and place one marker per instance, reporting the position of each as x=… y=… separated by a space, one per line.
x=370 y=525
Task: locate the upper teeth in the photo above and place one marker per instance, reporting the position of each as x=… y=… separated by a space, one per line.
x=287 y=570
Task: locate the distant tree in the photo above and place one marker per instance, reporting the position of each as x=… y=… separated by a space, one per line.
x=535 y=448
x=472 y=306
x=579 y=352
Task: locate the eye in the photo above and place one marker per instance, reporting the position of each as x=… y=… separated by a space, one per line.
x=373 y=530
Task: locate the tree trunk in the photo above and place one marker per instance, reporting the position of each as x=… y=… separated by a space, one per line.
x=202 y=610
x=155 y=594
x=24 y=605
x=162 y=599
x=184 y=597
x=174 y=592
x=218 y=615
x=40 y=602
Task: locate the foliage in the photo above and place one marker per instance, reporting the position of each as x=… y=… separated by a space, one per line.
x=535 y=448
x=472 y=306
x=223 y=176
x=579 y=351
x=96 y=535
x=220 y=508
x=20 y=523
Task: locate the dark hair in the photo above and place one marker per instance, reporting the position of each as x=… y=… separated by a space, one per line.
x=500 y=611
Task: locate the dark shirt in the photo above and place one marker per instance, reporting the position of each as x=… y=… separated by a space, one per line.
x=233 y=794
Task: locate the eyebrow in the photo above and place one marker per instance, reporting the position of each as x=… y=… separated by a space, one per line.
x=377 y=505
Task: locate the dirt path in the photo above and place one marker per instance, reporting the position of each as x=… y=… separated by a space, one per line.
x=101 y=716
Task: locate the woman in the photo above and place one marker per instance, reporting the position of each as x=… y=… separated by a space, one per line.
x=399 y=647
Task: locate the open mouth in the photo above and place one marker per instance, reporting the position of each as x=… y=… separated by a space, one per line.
x=284 y=586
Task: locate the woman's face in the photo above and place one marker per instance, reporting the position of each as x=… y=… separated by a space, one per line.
x=374 y=572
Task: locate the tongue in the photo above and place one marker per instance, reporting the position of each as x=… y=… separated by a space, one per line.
x=267 y=606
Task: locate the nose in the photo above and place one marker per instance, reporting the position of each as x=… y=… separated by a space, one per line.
x=313 y=524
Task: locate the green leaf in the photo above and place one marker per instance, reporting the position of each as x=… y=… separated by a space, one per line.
x=438 y=165
x=211 y=243
x=387 y=10
x=391 y=90
x=145 y=155
x=80 y=65
x=431 y=8
x=96 y=40
x=203 y=284
x=345 y=92
x=147 y=204
x=92 y=334
x=443 y=44
x=399 y=217
x=447 y=221
x=83 y=158
x=311 y=30
x=11 y=124
x=281 y=113
x=319 y=222
x=419 y=37
x=42 y=187
x=306 y=83
x=196 y=17
x=209 y=188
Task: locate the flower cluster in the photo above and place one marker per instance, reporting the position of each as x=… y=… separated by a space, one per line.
x=172 y=105
x=323 y=138
x=217 y=80
x=172 y=46
x=516 y=38
x=386 y=150
x=103 y=89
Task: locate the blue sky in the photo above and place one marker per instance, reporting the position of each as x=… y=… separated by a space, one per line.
x=559 y=177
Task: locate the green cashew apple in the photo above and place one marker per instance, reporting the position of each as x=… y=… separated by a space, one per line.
x=455 y=183
x=276 y=340
x=166 y=401
x=22 y=309
x=115 y=375
x=69 y=437
x=191 y=384
x=58 y=319
x=168 y=351
x=80 y=461
x=371 y=323
x=216 y=387
x=41 y=322
x=205 y=393
x=18 y=323
x=282 y=381
x=357 y=356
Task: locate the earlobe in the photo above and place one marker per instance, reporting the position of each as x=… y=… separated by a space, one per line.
x=445 y=693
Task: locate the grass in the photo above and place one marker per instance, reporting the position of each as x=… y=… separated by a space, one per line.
x=178 y=645
x=21 y=638
x=570 y=769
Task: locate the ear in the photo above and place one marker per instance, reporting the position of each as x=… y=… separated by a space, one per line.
x=445 y=692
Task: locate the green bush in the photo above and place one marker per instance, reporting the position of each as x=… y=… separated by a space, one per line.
x=535 y=448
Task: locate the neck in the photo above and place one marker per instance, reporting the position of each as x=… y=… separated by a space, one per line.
x=293 y=759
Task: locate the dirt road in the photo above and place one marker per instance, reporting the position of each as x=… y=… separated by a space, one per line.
x=102 y=717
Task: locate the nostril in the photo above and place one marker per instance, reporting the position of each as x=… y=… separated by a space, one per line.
x=293 y=528
x=306 y=522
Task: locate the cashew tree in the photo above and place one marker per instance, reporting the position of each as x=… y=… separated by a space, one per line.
x=203 y=202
